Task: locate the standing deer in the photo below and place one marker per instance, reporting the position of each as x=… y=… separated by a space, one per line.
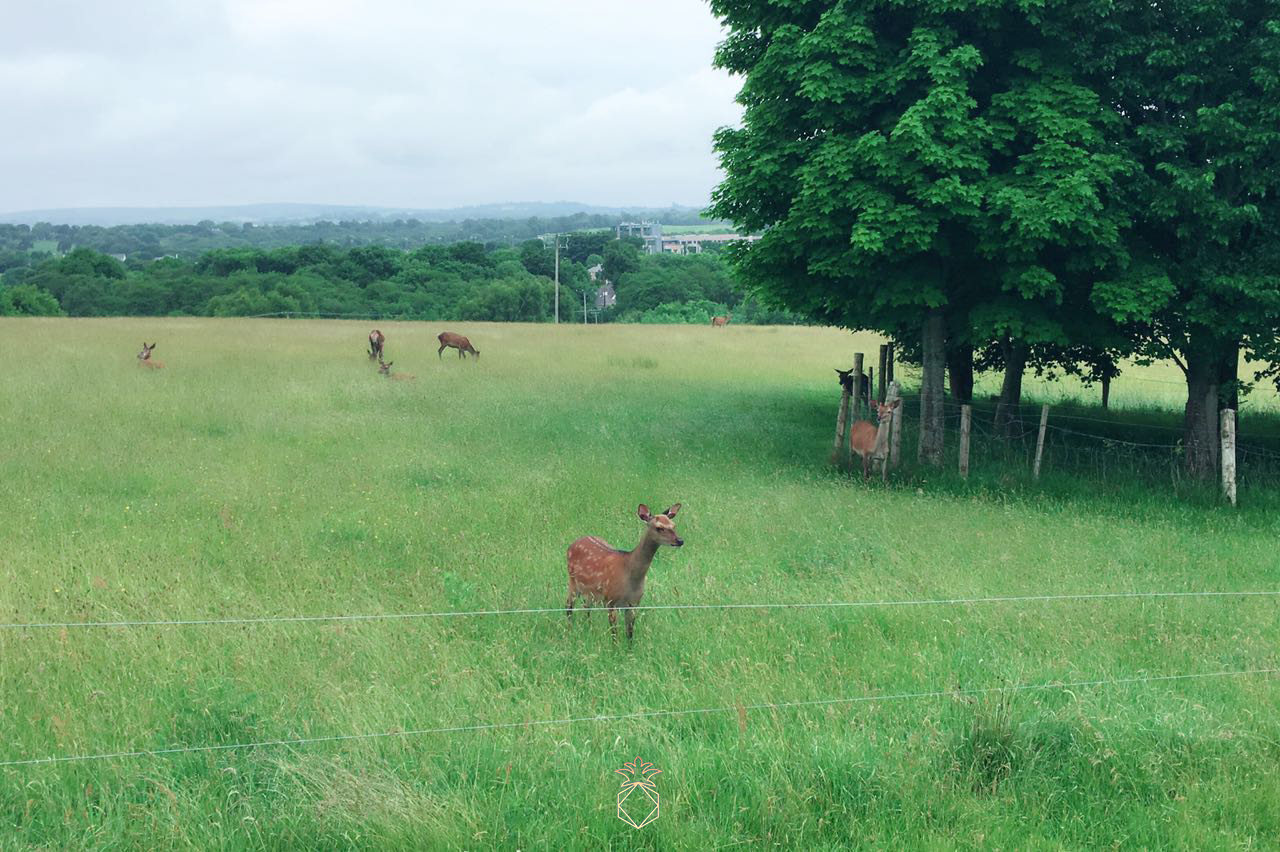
x=384 y=369
x=456 y=341
x=144 y=357
x=871 y=440
x=376 y=339
x=717 y=322
x=846 y=382
x=599 y=572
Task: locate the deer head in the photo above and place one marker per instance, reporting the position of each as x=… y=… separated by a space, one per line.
x=662 y=529
x=145 y=354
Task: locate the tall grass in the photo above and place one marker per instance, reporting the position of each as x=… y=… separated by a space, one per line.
x=268 y=471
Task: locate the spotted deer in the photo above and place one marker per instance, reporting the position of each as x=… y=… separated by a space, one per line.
x=144 y=357
x=449 y=340
x=871 y=440
x=384 y=369
x=718 y=322
x=599 y=572
x=376 y=339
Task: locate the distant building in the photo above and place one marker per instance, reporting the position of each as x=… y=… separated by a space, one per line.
x=656 y=243
x=606 y=297
x=120 y=257
x=650 y=232
x=596 y=271
x=692 y=243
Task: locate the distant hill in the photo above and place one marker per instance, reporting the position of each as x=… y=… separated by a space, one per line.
x=305 y=214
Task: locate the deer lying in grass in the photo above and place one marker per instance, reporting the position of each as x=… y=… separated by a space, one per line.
x=449 y=340
x=376 y=339
x=144 y=357
x=717 y=322
x=384 y=369
x=599 y=572
x=871 y=441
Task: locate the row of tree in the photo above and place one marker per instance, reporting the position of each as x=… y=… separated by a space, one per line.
x=1006 y=185
x=149 y=241
x=463 y=281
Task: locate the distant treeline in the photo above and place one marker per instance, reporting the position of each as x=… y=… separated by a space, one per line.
x=463 y=281
x=151 y=241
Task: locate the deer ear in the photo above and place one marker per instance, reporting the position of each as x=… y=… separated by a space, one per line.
x=643 y=511
x=671 y=513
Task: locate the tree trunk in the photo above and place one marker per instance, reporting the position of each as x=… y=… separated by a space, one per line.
x=1201 y=417
x=960 y=368
x=1106 y=392
x=1015 y=363
x=934 y=358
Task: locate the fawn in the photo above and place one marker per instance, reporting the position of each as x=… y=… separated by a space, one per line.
x=599 y=572
x=376 y=339
x=384 y=369
x=456 y=341
x=144 y=357
x=871 y=440
x=718 y=322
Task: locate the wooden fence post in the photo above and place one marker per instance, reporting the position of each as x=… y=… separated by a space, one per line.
x=1228 y=425
x=895 y=437
x=857 y=386
x=841 y=420
x=1044 y=423
x=888 y=365
x=895 y=428
x=880 y=388
x=966 y=418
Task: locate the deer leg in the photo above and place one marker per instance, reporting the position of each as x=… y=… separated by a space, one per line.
x=866 y=467
x=440 y=351
x=613 y=622
x=568 y=607
x=631 y=622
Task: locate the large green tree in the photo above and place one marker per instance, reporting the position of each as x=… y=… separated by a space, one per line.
x=1196 y=86
x=929 y=164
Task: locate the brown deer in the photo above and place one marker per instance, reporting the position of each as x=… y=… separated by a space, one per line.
x=449 y=340
x=717 y=322
x=144 y=357
x=376 y=339
x=871 y=440
x=599 y=572
x=384 y=369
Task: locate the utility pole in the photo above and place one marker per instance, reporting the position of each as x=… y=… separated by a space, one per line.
x=557 y=279
x=584 y=306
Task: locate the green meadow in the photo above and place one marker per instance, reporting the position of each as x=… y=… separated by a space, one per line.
x=268 y=471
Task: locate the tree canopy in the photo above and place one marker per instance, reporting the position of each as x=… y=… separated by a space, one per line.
x=982 y=178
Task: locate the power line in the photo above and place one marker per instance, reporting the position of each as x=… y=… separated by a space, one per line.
x=648 y=714
x=404 y=616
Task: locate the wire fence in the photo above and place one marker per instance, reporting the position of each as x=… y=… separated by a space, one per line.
x=1105 y=449
x=643 y=714
x=796 y=605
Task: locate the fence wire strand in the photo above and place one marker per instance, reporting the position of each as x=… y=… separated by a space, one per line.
x=867 y=604
x=644 y=714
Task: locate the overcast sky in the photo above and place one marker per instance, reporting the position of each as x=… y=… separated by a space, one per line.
x=382 y=102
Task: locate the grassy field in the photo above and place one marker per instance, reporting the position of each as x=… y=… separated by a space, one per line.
x=267 y=471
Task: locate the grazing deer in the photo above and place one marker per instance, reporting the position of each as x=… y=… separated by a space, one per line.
x=456 y=341
x=598 y=572
x=384 y=369
x=717 y=322
x=376 y=339
x=871 y=440
x=144 y=357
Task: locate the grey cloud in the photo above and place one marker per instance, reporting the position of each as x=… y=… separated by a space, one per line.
x=376 y=102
